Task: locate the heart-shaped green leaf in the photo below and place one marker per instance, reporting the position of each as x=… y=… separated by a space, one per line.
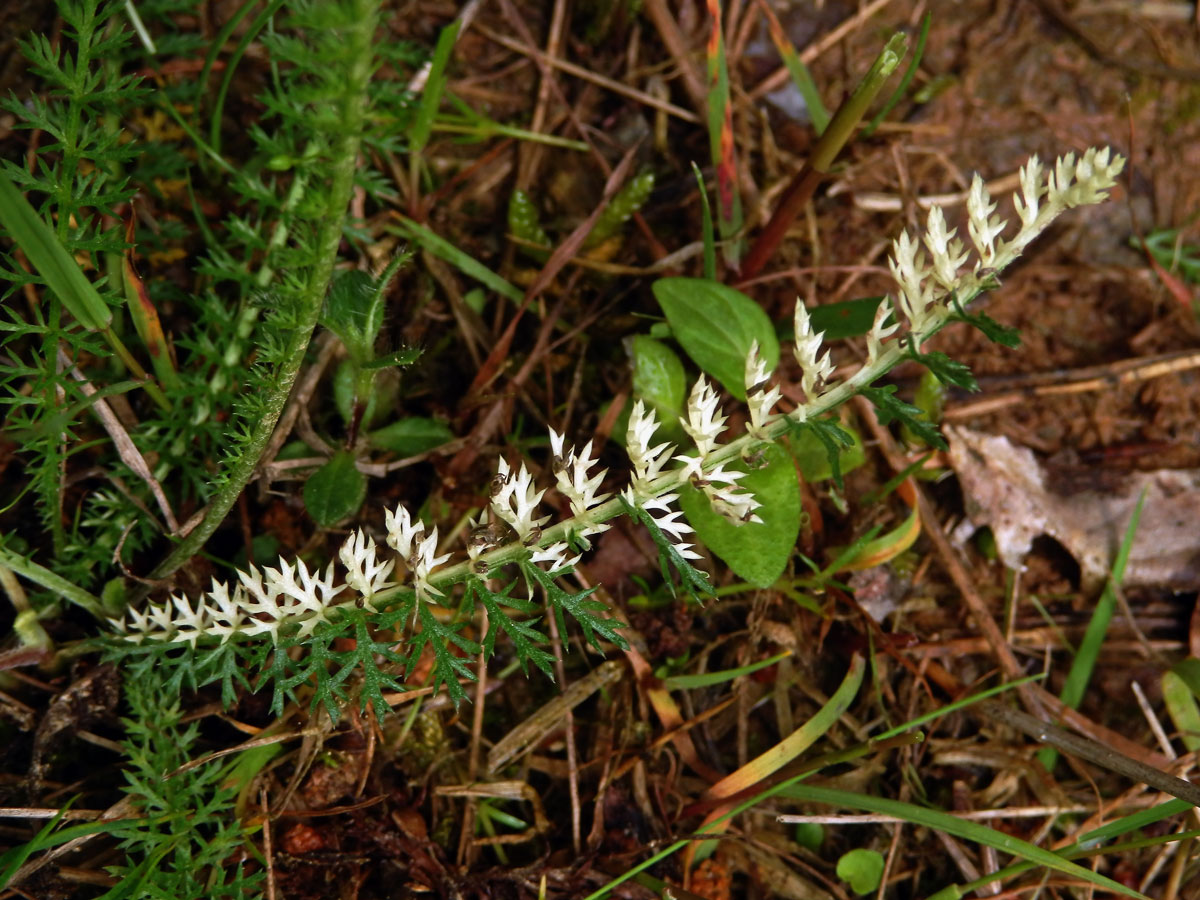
x=756 y=552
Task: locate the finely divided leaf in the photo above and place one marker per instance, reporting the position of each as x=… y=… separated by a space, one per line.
x=947 y=370
x=991 y=329
x=364 y=657
x=694 y=581
x=447 y=667
x=890 y=407
x=832 y=437
x=524 y=636
x=592 y=615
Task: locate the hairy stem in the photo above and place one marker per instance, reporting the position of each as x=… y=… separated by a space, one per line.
x=344 y=152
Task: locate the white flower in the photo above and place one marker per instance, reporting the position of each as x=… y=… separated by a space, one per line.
x=407 y=537
x=557 y=555
x=516 y=501
x=880 y=332
x=364 y=573
x=759 y=399
x=647 y=461
x=190 y=624
x=916 y=292
x=1028 y=202
x=422 y=564
x=808 y=345
x=226 y=613
x=571 y=474
x=984 y=226
x=720 y=486
x=1074 y=184
x=280 y=598
x=947 y=250
x=704 y=422
x=258 y=605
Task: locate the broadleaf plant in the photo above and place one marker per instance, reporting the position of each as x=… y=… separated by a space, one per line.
x=289 y=606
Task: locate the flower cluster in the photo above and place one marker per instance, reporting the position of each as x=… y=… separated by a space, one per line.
x=926 y=285
x=930 y=272
x=261 y=603
x=813 y=370
x=574 y=483
x=760 y=398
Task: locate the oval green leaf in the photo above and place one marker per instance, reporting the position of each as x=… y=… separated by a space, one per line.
x=757 y=553
x=411 y=436
x=844 y=319
x=716 y=326
x=658 y=377
x=335 y=491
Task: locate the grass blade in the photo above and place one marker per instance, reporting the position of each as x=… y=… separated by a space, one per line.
x=801 y=77
x=435 y=86
x=468 y=265
x=710 y=247
x=720 y=137
x=709 y=679
x=1093 y=639
x=50 y=259
x=962 y=828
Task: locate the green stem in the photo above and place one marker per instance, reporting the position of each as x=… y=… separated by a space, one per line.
x=40 y=575
x=344 y=152
x=835 y=136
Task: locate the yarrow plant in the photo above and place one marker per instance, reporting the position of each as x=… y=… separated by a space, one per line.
x=272 y=609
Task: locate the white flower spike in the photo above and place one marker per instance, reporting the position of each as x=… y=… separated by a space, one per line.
x=704 y=422
x=647 y=461
x=808 y=345
x=517 y=501
x=291 y=602
x=571 y=475
x=760 y=399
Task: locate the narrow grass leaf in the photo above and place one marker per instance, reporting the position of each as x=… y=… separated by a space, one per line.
x=890 y=545
x=48 y=837
x=766 y=764
x=435 y=85
x=462 y=261
x=1180 y=698
x=798 y=741
x=1084 y=662
x=720 y=136
x=961 y=828
x=706 y=223
x=50 y=259
x=144 y=316
x=801 y=77
x=905 y=80
x=709 y=679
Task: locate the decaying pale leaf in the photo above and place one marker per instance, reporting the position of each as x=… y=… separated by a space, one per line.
x=1085 y=509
